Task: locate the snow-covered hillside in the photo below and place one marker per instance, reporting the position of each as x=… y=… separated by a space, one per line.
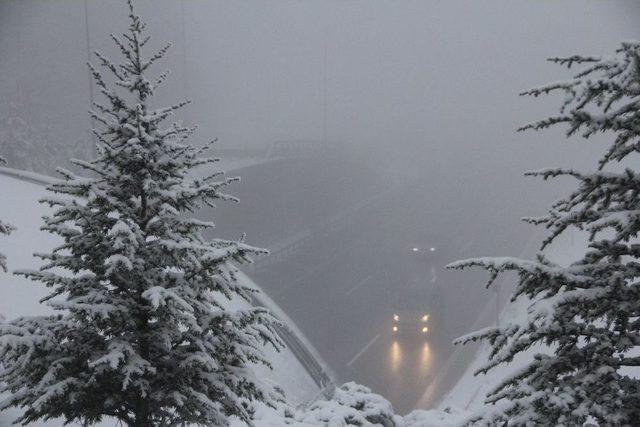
x=469 y=392
x=19 y=296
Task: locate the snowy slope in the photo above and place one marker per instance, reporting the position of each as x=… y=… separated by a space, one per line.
x=19 y=296
x=469 y=392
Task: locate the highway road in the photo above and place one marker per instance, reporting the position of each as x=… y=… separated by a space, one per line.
x=343 y=291
x=342 y=287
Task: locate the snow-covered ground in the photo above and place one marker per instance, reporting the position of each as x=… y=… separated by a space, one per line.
x=469 y=392
x=19 y=296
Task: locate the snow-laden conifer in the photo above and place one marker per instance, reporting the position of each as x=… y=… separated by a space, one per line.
x=588 y=313
x=143 y=332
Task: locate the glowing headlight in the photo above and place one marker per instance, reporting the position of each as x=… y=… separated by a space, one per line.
x=425 y=330
x=395 y=329
x=425 y=318
x=396 y=317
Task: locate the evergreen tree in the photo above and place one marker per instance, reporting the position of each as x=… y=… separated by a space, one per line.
x=586 y=314
x=142 y=332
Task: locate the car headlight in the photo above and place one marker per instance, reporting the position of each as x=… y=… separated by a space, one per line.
x=395 y=329
x=396 y=318
x=425 y=330
x=425 y=318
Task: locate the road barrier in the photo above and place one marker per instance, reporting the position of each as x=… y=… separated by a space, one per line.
x=292 y=244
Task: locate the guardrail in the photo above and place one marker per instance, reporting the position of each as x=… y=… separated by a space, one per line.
x=32 y=177
x=306 y=359
x=275 y=150
x=290 y=245
x=293 y=149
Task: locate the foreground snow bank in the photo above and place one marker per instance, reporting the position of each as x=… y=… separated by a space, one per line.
x=351 y=405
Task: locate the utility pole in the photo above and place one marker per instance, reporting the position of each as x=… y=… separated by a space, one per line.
x=324 y=95
x=325 y=66
x=185 y=76
x=91 y=100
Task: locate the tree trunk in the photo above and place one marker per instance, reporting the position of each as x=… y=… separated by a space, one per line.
x=143 y=407
x=142 y=414
x=142 y=417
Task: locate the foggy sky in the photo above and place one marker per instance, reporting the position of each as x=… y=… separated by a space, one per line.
x=419 y=90
x=418 y=87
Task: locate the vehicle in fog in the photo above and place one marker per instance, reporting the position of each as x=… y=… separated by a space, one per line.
x=419 y=296
x=410 y=322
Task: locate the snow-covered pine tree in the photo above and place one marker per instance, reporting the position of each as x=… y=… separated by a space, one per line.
x=587 y=314
x=142 y=332
x=4 y=229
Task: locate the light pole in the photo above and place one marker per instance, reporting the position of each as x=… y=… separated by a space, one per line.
x=185 y=76
x=91 y=100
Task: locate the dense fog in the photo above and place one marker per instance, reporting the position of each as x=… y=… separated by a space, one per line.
x=405 y=113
